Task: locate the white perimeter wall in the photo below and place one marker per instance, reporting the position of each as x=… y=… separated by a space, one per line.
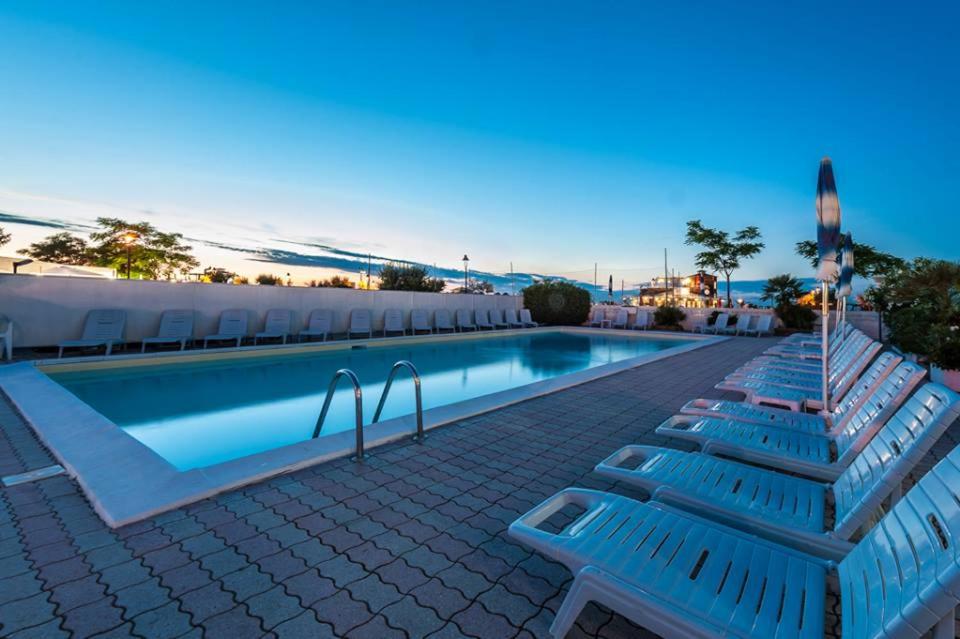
x=47 y=310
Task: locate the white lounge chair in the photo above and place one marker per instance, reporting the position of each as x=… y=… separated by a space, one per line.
x=743 y=321
x=858 y=355
x=102 y=328
x=393 y=322
x=642 y=321
x=858 y=340
x=680 y=575
x=361 y=323
x=176 y=327
x=720 y=324
x=862 y=389
x=482 y=322
x=762 y=327
x=496 y=318
x=441 y=317
x=527 y=319
x=6 y=337
x=464 y=323
x=510 y=317
x=598 y=317
x=818 y=455
x=620 y=320
x=232 y=328
x=420 y=321
x=319 y=324
x=807 y=351
x=797 y=394
x=278 y=324
x=787 y=509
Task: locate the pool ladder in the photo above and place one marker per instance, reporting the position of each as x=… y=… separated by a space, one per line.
x=358 y=402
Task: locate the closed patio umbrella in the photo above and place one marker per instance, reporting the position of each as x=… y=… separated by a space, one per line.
x=845 y=286
x=828 y=239
x=610 y=287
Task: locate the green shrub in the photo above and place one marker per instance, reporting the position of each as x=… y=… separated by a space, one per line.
x=404 y=277
x=266 y=279
x=946 y=353
x=713 y=318
x=557 y=303
x=796 y=317
x=668 y=316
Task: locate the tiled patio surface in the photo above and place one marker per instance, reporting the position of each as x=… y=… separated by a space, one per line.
x=411 y=543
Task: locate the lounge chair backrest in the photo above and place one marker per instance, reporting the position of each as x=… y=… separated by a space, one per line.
x=104 y=324
x=743 y=321
x=876 y=409
x=321 y=321
x=480 y=315
x=233 y=322
x=621 y=317
x=841 y=378
x=598 y=315
x=643 y=318
x=177 y=324
x=510 y=316
x=525 y=316
x=905 y=572
x=496 y=316
x=278 y=320
x=420 y=319
x=721 y=322
x=878 y=371
x=763 y=324
x=442 y=318
x=361 y=320
x=891 y=454
x=393 y=320
x=463 y=317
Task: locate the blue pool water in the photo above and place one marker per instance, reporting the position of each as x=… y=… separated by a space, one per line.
x=203 y=413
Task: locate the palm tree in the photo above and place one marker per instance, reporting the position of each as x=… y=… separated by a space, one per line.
x=782 y=290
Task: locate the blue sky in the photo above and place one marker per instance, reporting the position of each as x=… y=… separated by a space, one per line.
x=552 y=135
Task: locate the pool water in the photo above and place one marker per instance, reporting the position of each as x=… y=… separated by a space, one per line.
x=201 y=413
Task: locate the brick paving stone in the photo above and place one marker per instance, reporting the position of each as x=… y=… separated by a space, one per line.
x=23 y=613
x=303 y=625
x=342 y=612
x=516 y=608
x=443 y=600
x=402 y=575
x=247 y=582
x=90 y=619
x=232 y=624
x=373 y=592
x=376 y=628
x=416 y=620
x=19 y=587
x=222 y=562
x=449 y=631
x=477 y=621
x=185 y=579
x=76 y=593
x=341 y=570
x=142 y=597
x=206 y=602
x=309 y=587
x=273 y=607
x=49 y=630
x=123 y=575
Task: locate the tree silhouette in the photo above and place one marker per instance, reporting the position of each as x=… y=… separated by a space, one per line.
x=723 y=253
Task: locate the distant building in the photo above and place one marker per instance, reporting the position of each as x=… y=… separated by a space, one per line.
x=692 y=291
x=26 y=266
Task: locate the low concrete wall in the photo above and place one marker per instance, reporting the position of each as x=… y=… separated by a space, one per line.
x=47 y=310
x=866 y=321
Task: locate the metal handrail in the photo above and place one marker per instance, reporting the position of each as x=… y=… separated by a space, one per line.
x=358 y=403
x=416 y=388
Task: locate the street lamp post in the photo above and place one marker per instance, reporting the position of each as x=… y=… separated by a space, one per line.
x=466 y=262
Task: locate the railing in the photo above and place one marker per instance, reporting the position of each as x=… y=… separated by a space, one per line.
x=358 y=405
x=419 y=437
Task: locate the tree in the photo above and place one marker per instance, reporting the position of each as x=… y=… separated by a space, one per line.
x=60 y=248
x=153 y=253
x=4 y=236
x=218 y=275
x=868 y=262
x=408 y=277
x=336 y=281
x=553 y=302
x=266 y=279
x=782 y=290
x=723 y=253
x=476 y=287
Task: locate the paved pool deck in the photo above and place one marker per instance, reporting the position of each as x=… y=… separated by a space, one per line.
x=411 y=543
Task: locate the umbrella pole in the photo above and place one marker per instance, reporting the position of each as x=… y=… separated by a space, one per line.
x=825 y=310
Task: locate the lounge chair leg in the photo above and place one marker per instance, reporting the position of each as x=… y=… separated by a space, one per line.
x=570 y=609
x=60 y=353
x=945 y=628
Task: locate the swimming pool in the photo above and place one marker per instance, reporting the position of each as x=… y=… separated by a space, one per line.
x=202 y=413
x=142 y=435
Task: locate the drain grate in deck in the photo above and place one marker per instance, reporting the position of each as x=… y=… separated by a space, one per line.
x=33 y=475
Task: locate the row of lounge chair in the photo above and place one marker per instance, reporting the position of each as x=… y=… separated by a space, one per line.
x=742 y=545
x=747 y=324
x=104 y=328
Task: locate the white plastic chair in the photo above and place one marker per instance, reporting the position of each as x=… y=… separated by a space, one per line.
x=361 y=323
x=176 y=327
x=527 y=319
x=102 y=328
x=496 y=318
x=420 y=321
x=720 y=324
x=642 y=321
x=278 y=324
x=598 y=317
x=762 y=327
x=393 y=322
x=441 y=317
x=464 y=323
x=232 y=328
x=481 y=320
x=6 y=337
x=319 y=324
x=743 y=322
x=620 y=320
x=510 y=317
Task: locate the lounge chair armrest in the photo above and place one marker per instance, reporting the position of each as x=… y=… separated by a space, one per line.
x=525 y=528
x=612 y=466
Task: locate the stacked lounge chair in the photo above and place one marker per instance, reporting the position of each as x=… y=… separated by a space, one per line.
x=735 y=547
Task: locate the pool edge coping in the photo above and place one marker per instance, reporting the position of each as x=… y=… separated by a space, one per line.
x=54 y=414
